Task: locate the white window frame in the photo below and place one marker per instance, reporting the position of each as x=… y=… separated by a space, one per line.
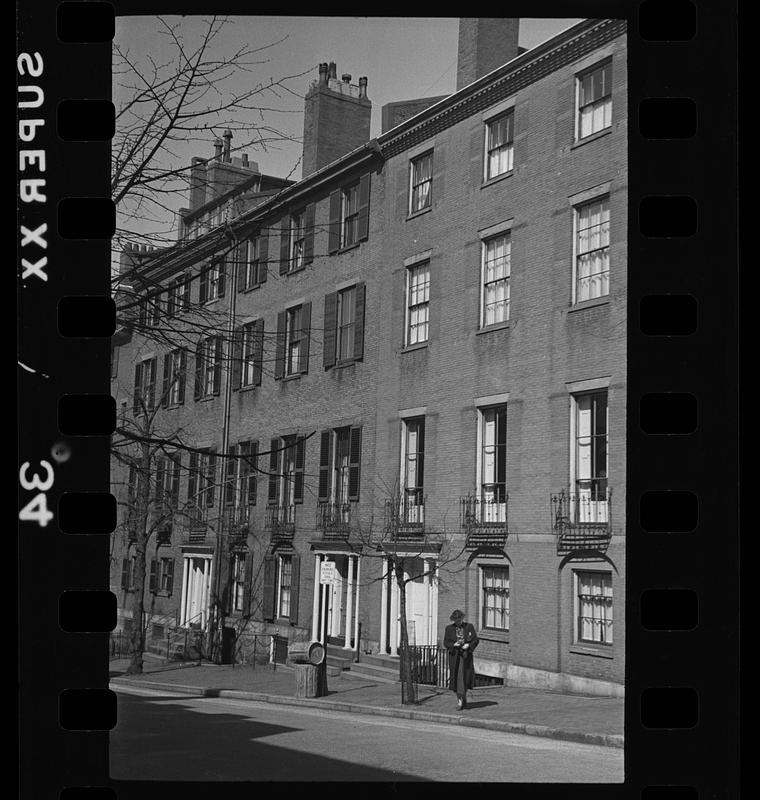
x=248 y=363
x=507 y=235
x=412 y=163
x=499 y=512
x=280 y=563
x=297 y=246
x=607 y=631
x=509 y=145
x=412 y=512
x=238 y=582
x=345 y=328
x=597 y=510
x=482 y=596
x=208 y=354
x=349 y=221
x=606 y=100
x=252 y=265
x=339 y=479
x=577 y=210
x=293 y=331
x=163 y=574
x=408 y=303
x=176 y=378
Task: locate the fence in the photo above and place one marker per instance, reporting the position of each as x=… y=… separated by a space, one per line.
x=430 y=667
x=118 y=645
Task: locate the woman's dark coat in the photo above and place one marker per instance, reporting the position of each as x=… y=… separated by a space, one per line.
x=459 y=658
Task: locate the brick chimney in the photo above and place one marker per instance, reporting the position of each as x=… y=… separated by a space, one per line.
x=484 y=44
x=336 y=118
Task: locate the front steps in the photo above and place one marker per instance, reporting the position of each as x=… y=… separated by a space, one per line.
x=381 y=668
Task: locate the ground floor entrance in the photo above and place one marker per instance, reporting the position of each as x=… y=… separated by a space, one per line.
x=336 y=605
x=196 y=590
x=421 y=594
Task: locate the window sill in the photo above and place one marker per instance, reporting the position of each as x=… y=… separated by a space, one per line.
x=592 y=137
x=498 y=326
x=597 y=301
x=419 y=213
x=206 y=398
x=283 y=621
x=493 y=635
x=590 y=650
x=250 y=288
x=412 y=347
x=295 y=377
x=344 y=364
x=248 y=388
x=295 y=271
x=508 y=174
x=348 y=247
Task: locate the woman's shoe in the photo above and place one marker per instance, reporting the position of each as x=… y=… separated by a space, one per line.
x=460 y=704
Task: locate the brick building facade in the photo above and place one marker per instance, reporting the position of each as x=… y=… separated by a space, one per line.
x=418 y=348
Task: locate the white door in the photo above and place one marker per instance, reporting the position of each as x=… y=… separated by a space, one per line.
x=336 y=604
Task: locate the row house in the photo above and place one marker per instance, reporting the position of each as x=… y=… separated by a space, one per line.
x=417 y=350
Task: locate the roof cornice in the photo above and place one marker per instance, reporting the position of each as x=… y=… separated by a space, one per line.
x=501 y=83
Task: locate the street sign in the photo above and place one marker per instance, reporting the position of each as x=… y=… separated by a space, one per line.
x=327 y=572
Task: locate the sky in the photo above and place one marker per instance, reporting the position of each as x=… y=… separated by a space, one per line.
x=402 y=58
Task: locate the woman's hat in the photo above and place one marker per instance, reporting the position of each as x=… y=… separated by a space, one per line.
x=456 y=616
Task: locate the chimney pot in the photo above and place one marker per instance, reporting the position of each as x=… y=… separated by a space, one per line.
x=332 y=70
x=218 y=146
x=323 y=72
x=227 y=142
x=245 y=159
x=363 y=87
x=346 y=77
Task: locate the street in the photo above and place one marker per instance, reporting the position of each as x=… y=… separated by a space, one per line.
x=165 y=737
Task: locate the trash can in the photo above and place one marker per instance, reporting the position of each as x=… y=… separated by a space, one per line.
x=309 y=660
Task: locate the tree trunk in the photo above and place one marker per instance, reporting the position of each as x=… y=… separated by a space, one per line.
x=137 y=638
x=311 y=680
x=408 y=689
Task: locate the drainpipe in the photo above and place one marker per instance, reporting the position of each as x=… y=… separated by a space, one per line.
x=226 y=406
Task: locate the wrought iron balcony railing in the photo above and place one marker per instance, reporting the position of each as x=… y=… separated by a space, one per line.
x=483 y=518
x=280 y=521
x=581 y=519
x=334 y=520
x=405 y=516
x=164 y=534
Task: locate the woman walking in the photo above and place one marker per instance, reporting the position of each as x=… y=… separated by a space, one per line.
x=460 y=639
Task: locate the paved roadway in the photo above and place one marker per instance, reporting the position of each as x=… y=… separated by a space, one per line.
x=166 y=737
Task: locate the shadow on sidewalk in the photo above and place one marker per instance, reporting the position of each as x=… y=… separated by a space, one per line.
x=480 y=704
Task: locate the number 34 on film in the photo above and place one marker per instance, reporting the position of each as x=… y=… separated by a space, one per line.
x=36 y=509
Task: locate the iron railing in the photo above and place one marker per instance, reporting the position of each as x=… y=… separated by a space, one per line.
x=582 y=519
x=280 y=521
x=405 y=516
x=484 y=517
x=119 y=645
x=334 y=519
x=430 y=667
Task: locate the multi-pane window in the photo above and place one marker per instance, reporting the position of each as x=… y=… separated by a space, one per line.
x=248 y=368
x=591 y=467
x=145 y=386
x=594 y=100
x=167 y=480
x=246 y=492
x=413 y=470
x=492 y=467
x=237 y=572
x=496 y=269
x=208 y=367
x=346 y=323
x=253 y=266
x=499 y=145
x=201 y=483
x=418 y=303
x=593 y=607
x=339 y=465
x=349 y=216
x=286 y=473
x=128 y=573
x=592 y=250
x=177 y=295
x=494 y=583
x=421 y=181
x=175 y=365
x=165 y=575
x=293 y=341
x=297 y=240
x=284 y=585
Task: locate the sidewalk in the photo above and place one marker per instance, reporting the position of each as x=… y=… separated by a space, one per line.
x=592 y=720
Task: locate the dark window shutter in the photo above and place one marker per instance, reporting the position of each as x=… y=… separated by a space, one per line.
x=170 y=576
x=324 y=466
x=182 y=375
x=305 y=336
x=363 y=223
x=217 y=364
x=203 y=286
x=329 y=336
x=284 y=246
x=263 y=256
x=274 y=472
x=222 y=276
x=192 y=478
x=166 y=382
x=153 y=575
x=270 y=570
x=421 y=455
x=253 y=455
x=354 y=462
x=211 y=479
x=247 y=585
x=176 y=462
x=333 y=243
x=279 y=362
x=295 y=579
x=125 y=573
x=308 y=248
x=186 y=291
x=151 y=399
x=136 y=407
x=237 y=357
x=160 y=478
x=361 y=293
x=229 y=471
x=300 y=446
x=241 y=262
x=258 y=351
x=198 y=393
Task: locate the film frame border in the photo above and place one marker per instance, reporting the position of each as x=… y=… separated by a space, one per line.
x=658 y=759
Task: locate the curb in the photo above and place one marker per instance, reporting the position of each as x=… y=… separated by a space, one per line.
x=603 y=739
